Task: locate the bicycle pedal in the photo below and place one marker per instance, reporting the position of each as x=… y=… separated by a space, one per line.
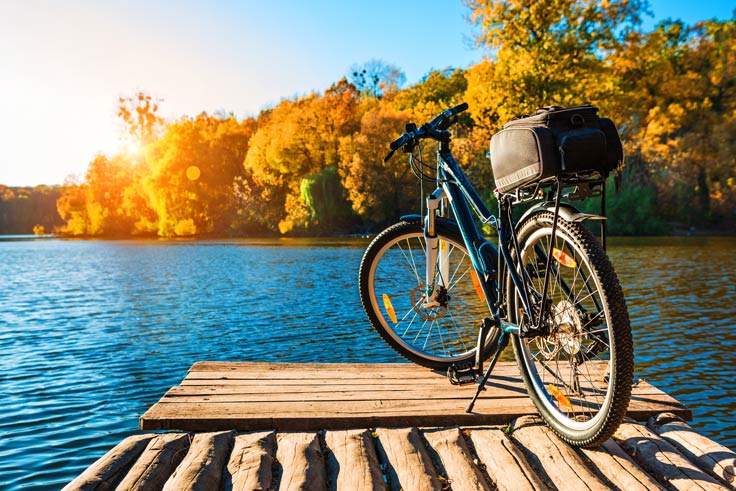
x=463 y=375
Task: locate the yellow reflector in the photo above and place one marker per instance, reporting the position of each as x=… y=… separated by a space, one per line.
x=561 y=399
x=476 y=284
x=389 y=308
x=564 y=258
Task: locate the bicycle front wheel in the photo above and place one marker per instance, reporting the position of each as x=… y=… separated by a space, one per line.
x=392 y=285
x=579 y=373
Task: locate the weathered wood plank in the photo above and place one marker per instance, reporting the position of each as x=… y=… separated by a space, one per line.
x=251 y=462
x=310 y=415
x=336 y=395
x=615 y=465
x=353 y=463
x=712 y=457
x=342 y=370
x=505 y=464
x=202 y=467
x=394 y=395
x=409 y=465
x=327 y=382
x=304 y=397
x=554 y=459
x=662 y=460
x=110 y=468
x=302 y=464
x=157 y=462
x=509 y=388
x=456 y=458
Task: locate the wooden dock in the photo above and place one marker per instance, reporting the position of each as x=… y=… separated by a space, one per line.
x=377 y=427
x=294 y=396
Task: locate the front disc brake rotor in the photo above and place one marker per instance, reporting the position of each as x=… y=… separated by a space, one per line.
x=429 y=313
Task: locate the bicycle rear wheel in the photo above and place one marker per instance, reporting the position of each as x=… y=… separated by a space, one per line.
x=578 y=375
x=392 y=277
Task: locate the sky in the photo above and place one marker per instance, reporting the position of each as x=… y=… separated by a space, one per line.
x=63 y=64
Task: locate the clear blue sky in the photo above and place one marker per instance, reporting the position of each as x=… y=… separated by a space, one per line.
x=64 y=64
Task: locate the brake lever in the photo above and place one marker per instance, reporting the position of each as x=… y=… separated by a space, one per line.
x=389 y=155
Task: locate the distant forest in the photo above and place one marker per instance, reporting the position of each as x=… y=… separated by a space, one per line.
x=313 y=164
x=25 y=210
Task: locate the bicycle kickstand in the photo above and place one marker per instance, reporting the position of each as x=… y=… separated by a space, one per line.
x=503 y=341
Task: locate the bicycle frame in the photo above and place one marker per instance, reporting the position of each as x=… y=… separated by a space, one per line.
x=462 y=196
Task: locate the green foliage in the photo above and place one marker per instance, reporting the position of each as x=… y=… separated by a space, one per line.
x=324 y=197
x=631 y=210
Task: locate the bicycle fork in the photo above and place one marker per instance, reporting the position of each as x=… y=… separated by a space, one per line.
x=435 y=251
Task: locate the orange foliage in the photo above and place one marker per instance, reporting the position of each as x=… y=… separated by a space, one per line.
x=672 y=92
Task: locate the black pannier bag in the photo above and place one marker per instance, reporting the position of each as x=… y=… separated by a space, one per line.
x=567 y=143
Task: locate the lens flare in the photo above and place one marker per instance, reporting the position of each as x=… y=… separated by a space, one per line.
x=193 y=173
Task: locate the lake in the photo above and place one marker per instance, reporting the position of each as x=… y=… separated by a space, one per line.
x=94 y=332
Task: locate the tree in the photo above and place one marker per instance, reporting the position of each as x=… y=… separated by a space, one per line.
x=139 y=114
x=106 y=181
x=72 y=207
x=378 y=190
x=23 y=209
x=545 y=53
x=299 y=138
x=192 y=170
x=678 y=106
x=376 y=78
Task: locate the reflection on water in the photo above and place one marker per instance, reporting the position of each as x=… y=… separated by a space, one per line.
x=681 y=294
x=93 y=333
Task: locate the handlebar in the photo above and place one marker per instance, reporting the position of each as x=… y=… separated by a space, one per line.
x=435 y=129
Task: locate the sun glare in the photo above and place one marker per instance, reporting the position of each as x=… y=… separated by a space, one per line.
x=132 y=148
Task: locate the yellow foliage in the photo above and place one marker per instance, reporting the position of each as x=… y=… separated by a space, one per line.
x=185 y=227
x=672 y=92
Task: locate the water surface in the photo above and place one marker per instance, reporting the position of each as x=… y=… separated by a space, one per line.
x=94 y=332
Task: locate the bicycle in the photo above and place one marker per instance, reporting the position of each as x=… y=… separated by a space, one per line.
x=443 y=296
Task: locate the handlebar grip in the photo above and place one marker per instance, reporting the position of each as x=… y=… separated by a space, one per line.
x=398 y=143
x=459 y=108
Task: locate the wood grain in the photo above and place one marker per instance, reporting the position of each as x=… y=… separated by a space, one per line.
x=504 y=462
x=251 y=462
x=301 y=461
x=409 y=465
x=456 y=459
x=662 y=460
x=202 y=467
x=615 y=465
x=712 y=457
x=353 y=462
x=553 y=458
x=312 y=397
x=110 y=468
x=157 y=462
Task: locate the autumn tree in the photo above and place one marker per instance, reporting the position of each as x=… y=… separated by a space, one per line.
x=380 y=191
x=544 y=53
x=679 y=110
x=72 y=208
x=192 y=170
x=105 y=182
x=139 y=114
x=299 y=138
